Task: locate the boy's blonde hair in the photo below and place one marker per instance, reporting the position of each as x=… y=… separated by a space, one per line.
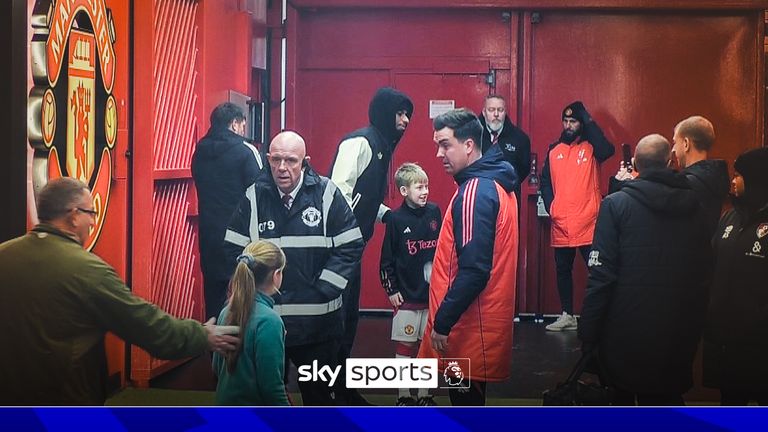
x=410 y=173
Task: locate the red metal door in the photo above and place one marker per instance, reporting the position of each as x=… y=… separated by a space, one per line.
x=165 y=267
x=466 y=90
x=339 y=57
x=637 y=73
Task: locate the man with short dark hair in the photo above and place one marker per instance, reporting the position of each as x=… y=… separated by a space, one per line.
x=647 y=291
x=570 y=188
x=307 y=216
x=58 y=300
x=472 y=289
x=223 y=166
x=693 y=139
x=499 y=130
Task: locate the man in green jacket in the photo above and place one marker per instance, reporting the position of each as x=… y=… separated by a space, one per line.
x=57 y=301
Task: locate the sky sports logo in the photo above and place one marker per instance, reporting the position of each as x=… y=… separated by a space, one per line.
x=449 y=373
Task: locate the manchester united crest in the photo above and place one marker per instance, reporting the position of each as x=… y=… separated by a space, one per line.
x=73 y=114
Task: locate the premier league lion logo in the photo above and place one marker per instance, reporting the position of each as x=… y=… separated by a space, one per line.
x=453 y=375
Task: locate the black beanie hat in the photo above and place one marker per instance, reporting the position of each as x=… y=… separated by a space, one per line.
x=753 y=167
x=575 y=110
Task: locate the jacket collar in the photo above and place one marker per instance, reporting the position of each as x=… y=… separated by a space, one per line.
x=43 y=227
x=264 y=299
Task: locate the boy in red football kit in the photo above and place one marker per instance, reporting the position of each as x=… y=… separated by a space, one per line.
x=406 y=266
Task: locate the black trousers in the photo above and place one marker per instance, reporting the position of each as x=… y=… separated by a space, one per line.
x=215 y=292
x=316 y=393
x=351 y=299
x=627 y=398
x=472 y=396
x=564 y=257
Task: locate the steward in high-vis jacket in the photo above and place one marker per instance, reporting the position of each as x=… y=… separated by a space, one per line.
x=307 y=216
x=322 y=246
x=472 y=290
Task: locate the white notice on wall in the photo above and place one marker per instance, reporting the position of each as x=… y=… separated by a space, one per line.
x=438 y=106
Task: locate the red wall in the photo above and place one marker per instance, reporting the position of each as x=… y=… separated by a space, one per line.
x=170 y=120
x=225 y=60
x=638 y=72
x=344 y=56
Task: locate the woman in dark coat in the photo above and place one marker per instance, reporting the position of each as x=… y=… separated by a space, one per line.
x=735 y=343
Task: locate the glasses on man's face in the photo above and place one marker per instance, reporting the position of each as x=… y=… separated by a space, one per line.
x=88 y=212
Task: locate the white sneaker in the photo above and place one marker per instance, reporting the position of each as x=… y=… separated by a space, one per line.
x=564 y=322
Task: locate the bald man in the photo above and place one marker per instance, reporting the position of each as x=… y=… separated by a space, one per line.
x=693 y=139
x=305 y=214
x=647 y=289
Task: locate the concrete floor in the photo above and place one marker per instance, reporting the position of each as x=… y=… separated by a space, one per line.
x=540 y=360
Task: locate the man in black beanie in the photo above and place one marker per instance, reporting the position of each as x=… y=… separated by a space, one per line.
x=570 y=188
x=360 y=169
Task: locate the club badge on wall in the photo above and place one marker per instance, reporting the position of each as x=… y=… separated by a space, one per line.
x=72 y=112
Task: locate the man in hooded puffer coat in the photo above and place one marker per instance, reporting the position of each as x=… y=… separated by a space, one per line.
x=360 y=169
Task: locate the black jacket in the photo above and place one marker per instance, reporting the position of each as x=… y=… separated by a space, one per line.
x=322 y=246
x=360 y=167
x=515 y=146
x=647 y=288
x=223 y=166
x=709 y=179
x=735 y=349
x=408 y=250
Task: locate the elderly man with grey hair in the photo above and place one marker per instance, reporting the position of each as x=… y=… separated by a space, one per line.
x=58 y=300
x=647 y=290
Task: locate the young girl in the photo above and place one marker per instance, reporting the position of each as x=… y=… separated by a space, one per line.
x=253 y=375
